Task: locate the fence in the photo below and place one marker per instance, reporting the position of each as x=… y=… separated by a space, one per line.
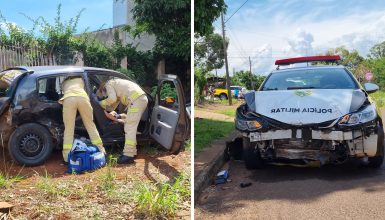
x=16 y=54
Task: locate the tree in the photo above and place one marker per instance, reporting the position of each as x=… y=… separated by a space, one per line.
x=377 y=51
x=169 y=21
x=242 y=78
x=208 y=52
x=200 y=82
x=377 y=67
x=205 y=13
x=350 y=59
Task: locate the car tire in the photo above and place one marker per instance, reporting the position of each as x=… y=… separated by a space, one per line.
x=222 y=96
x=251 y=156
x=30 y=144
x=376 y=161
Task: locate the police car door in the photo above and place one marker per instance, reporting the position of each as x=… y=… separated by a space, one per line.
x=169 y=122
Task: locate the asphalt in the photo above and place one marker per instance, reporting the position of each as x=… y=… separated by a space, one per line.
x=347 y=191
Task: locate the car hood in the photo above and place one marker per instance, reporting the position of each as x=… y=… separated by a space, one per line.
x=307 y=106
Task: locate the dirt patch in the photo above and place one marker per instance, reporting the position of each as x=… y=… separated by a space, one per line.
x=215 y=106
x=212 y=116
x=46 y=191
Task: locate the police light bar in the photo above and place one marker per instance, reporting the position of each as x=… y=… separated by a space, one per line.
x=289 y=61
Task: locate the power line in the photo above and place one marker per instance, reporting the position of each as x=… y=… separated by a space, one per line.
x=236 y=11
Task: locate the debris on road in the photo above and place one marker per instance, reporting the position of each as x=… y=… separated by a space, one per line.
x=5 y=207
x=244 y=185
x=221 y=177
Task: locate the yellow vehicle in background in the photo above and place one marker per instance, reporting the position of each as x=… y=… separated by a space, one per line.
x=221 y=93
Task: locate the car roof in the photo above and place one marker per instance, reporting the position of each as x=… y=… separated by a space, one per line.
x=52 y=70
x=309 y=68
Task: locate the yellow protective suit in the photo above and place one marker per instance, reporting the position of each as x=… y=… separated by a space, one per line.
x=76 y=99
x=131 y=95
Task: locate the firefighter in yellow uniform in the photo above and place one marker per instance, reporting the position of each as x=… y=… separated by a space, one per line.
x=76 y=99
x=134 y=98
x=7 y=77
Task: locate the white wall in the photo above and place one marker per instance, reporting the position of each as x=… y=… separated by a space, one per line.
x=122 y=15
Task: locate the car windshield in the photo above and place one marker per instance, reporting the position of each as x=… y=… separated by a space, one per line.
x=325 y=78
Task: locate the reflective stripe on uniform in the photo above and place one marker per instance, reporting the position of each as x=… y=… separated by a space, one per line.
x=124 y=100
x=135 y=95
x=103 y=103
x=130 y=143
x=97 y=141
x=133 y=110
x=67 y=146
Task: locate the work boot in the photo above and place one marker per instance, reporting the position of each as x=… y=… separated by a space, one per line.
x=123 y=159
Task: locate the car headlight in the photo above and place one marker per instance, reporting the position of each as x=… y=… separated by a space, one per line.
x=367 y=114
x=248 y=125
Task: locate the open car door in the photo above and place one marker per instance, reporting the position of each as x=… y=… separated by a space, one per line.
x=7 y=94
x=169 y=122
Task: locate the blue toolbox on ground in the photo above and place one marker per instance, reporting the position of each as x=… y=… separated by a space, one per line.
x=83 y=158
x=221 y=177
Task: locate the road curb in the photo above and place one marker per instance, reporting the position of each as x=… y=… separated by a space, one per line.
x=207 y=164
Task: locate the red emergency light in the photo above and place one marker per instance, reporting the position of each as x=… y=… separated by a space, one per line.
x=307 y=59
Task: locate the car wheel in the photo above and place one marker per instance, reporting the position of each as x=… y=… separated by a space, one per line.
x=377 y=160
x=30 y=144
x=251 y=156
x=223 y=96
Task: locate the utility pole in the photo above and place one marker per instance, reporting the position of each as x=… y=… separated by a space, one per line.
x=226 y=62
x=251 y=76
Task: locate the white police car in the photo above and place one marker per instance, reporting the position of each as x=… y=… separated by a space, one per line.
x=311 y=115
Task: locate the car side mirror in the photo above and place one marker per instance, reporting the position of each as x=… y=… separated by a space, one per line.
x=371 y=87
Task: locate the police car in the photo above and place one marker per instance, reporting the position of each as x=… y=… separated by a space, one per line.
x=310 y=116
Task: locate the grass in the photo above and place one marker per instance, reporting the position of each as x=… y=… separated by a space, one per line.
x=225 y=101
x=228 y=112
x=107 y=179
x=162 y=200
x=53 y=189
x=6 y=180
x=187 y=145
x=379 y=98
x=207 y=130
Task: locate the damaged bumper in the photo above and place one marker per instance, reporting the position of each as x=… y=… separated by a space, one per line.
x=300 y=143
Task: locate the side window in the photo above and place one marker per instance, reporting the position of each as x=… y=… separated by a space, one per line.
x=168 y=96
x=97 y=79
x=49 y=89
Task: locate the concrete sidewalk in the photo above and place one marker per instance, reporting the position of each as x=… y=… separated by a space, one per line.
x=209 y=161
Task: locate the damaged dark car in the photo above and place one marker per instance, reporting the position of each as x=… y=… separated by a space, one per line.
x=32 y=126
x=310 y=116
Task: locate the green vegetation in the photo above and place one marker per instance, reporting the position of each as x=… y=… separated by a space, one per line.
x=206 y=12
x=53 y=189
x=228 y=112
x=162 y=200
x=207 y=130
x=6 y=180
x=187 y=145
x=107 y=179
x=61 y=41
x=379 y=98
x=245 y=79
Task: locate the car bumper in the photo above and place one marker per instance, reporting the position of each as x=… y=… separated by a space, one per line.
x=360 y=142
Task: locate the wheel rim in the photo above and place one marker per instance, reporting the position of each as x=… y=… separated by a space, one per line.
x=31 y=145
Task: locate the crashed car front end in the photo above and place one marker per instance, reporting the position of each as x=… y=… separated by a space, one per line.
x=354 y=134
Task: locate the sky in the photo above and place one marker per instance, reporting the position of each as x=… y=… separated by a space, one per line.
x=267 y=30
x=97 y=14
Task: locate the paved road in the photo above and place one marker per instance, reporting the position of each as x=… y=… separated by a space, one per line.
x=280 y=192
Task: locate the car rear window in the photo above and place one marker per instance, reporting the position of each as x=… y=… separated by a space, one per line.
x=326 y=78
